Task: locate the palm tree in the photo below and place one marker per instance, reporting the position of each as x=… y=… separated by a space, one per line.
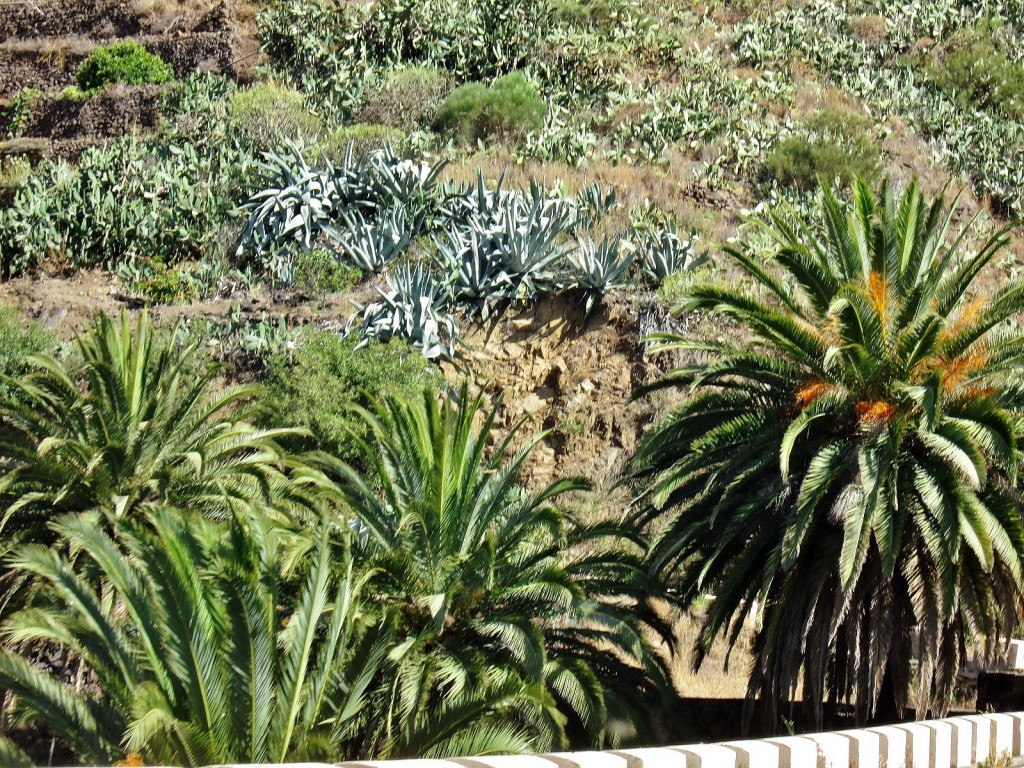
x=134 y=426
x=852 y=462
x=496 y=588
x=189 y=654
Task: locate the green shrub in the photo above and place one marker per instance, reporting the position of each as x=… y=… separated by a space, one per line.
x=363 y=138
x=270 y=114
x=158 y=283
x=317 y=386
x=833 y=145
x=20 y=338
x=74 y=94
x=407 y=98
x=978 y=72
x=509 y=108
x=318 y=272
x=126 y=62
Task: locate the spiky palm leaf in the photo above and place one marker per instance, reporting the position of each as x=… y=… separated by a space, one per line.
x=476 y=567
x=193 y=659
x=851 y=464
x=132 y=427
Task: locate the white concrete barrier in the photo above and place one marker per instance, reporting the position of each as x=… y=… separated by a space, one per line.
x=708 y=755
x=796 y=751
x=957 y=742
x=892 y=745
x=834 y=749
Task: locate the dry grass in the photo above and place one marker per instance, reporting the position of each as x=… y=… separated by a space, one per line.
x=813 y=96
x=48 y=47
x=162 y=15
x=14 y=172
x=715 y=679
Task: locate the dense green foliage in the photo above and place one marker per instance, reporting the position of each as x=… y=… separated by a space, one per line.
x=851 y=463
x=832 y=146
x=126 y=62
x=165 y=197
x=195 y=659
x=319 y=385
x=357 y=560
x=508 y=108
x=212 y=597
x=130 y=428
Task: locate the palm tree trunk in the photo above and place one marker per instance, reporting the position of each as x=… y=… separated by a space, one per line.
x=887 y=709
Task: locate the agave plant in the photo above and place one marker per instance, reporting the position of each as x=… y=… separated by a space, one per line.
x=477 y=568
x=300 y=203
x=508 y=239
x=470 y=268
x=849 y=461
x=476 y=200
x=393 y=181
x=297 y=204
x=526 y=248
x=413 y=308
x=592 y=204
x=601 y=268
x=665 y=253
x=486 y=208
x=371 y=246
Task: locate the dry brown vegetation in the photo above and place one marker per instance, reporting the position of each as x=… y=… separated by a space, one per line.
x=721 y=675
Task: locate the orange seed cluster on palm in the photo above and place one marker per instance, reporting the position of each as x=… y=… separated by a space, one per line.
x=811 y=391
x=875 y=410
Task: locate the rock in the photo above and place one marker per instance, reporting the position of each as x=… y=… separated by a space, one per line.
x=559 y=368
x=531 y=403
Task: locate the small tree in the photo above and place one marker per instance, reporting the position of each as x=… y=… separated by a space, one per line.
x=496 y=586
